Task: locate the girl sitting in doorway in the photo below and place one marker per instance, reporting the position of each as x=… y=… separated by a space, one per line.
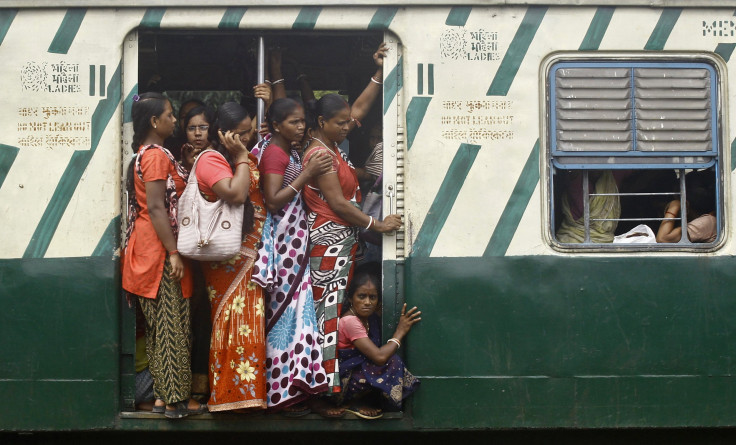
x=370 y=371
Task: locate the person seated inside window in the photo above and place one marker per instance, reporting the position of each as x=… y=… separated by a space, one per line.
x=370 y=371
x=605 y=207
x=702 y=226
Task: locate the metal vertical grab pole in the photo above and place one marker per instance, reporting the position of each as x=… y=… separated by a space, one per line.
x=261 y=79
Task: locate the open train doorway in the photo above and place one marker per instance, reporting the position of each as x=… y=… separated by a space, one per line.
x=215 y=67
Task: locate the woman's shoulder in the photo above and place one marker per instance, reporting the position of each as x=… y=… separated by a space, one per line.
x=153 y=151
x=706 y=219
x=274 y=160
x=154 y=159
x=211 y=155
x=212 y=158
x=274 y=151
x=349 y=321
x=311 y=151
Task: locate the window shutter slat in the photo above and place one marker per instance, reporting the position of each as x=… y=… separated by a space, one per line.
x=593 y=109
x=672 y=109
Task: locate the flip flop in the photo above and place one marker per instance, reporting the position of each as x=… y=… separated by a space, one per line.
x=296 y=410
x=322 y=407
x=181 y=409
x=158 y=409
x=355 y=408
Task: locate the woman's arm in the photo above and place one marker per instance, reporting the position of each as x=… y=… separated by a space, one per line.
x=277 y=77
x=329 y=185
x=668 y=232
x=380 y=356
x=234 y=190
x=363 y=103
x=155 y=199
x=263 y=91
x=188 y=155
x=277 y=197
x=305 y=89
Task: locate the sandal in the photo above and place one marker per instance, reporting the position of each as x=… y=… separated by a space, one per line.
x=323 y=408
x=158 y=409
x=296 y=410
x=358 y=409
x=181 y=409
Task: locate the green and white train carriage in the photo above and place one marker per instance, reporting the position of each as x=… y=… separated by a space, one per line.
x=484 y=104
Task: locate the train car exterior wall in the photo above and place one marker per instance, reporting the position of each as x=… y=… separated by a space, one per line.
x=515 y=333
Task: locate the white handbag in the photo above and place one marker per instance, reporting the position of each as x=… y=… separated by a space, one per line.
x=208 y=231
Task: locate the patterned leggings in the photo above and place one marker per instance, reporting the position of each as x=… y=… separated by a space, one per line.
x=168 y=340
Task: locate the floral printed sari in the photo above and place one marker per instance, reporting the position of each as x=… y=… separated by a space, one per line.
x=238 y=350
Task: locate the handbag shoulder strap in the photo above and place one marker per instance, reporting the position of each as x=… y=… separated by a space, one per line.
x=192 y=175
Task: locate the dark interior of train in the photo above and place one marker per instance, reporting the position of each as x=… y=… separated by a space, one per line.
x=187 y=63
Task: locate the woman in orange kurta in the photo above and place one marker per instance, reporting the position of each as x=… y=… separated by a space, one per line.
x=238 y=343
x=153 y=270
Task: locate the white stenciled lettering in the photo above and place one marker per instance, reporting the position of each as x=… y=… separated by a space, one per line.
x=54 y=127
x=719 y=28
x=476 y=121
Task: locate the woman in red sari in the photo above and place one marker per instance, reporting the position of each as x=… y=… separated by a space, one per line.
x=238 y=350
x=334 y=218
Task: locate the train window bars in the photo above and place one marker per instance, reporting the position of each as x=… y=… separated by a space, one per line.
x=625 y=139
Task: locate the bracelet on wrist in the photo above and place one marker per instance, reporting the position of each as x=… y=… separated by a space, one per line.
x=394 y=340
x=241 y=162
x=292 y=187
x=370 y=223
x=173 y=252
x=374 y=80
x=277 y=81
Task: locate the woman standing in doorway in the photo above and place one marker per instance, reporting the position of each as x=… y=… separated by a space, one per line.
x=334 y=219
x=152 y=267
x=237 y=349
x=283 y=264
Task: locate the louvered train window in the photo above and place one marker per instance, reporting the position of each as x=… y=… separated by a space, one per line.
x=634 y=150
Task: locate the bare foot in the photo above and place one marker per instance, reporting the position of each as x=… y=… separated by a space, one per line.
x=145 y=406
x=193 y=404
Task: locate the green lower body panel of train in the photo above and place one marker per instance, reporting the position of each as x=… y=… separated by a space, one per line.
x=509 y=342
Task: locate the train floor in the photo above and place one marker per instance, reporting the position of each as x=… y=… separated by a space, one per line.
x=516 y=437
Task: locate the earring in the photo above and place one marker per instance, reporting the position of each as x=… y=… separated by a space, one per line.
x=154 y=126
